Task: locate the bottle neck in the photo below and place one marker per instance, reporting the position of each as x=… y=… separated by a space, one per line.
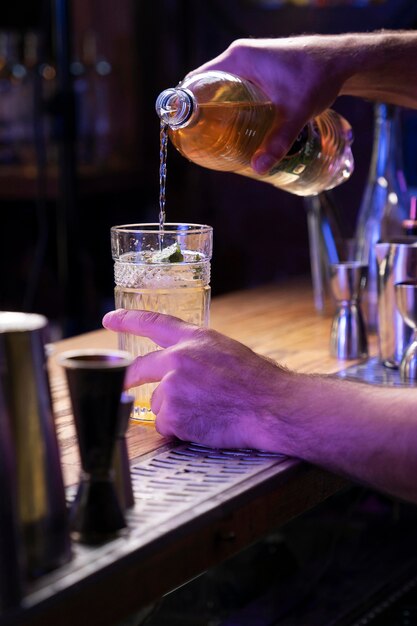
x=386 y=153
x=176 y=107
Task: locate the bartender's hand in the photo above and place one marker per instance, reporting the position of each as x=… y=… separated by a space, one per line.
x=298 y=74
x=303 y=75
x=212 y=390
x=217 y=392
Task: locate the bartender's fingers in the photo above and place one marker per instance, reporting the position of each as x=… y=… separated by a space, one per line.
x=165 y=330
x=277 y=144
x=150 y=368
x=157 y=399
x=167 y=389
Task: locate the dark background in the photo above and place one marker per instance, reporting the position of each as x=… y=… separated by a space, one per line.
x=260 y=232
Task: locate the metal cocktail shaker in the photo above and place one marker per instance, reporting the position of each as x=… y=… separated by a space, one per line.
x=397 y=262
x=406 y=300
x=11 y=563
x=41 y=504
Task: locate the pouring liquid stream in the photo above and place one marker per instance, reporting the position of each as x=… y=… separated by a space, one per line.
x=163 y=150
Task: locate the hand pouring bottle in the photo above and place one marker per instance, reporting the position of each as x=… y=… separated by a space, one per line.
x=219 y=120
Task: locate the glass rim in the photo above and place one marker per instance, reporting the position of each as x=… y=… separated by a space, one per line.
x=21 y=321
x=153 y=228
x=91 y=358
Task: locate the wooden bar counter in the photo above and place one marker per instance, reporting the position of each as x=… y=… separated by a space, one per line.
x=227 y=500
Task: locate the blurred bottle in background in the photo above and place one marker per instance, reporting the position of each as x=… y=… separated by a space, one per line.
x=91 y=87
x=385 y=200
x=12 y=75
x=28 y=103
x=29 y=108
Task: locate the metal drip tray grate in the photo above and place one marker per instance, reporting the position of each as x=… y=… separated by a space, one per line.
x=172 y=487
x=173 y=481
x=168 y=483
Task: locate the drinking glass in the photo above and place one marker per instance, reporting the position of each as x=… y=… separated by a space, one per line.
x=165 y=270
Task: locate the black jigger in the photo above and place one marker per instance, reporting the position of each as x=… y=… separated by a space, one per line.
x=95 y=381
x=123 y=479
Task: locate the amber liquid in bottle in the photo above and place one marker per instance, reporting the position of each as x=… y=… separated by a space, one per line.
x=225 y=120
x=227 y=135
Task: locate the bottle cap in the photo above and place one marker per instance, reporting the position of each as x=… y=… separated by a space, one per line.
x=175 y=107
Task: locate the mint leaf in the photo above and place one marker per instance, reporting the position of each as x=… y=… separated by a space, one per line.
x=177 y=256
x=170 y=254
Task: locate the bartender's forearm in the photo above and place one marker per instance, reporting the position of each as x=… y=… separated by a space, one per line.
x=382 y=66
x=216 y=391
x=368 y=434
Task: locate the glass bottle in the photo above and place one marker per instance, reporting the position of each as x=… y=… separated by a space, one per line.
x=219 y=120
x=48 y=77
x=384 y=203
x=12 y=74
x=82 y=86
x=92 y=92
x=102 y=105
x=31 y=110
